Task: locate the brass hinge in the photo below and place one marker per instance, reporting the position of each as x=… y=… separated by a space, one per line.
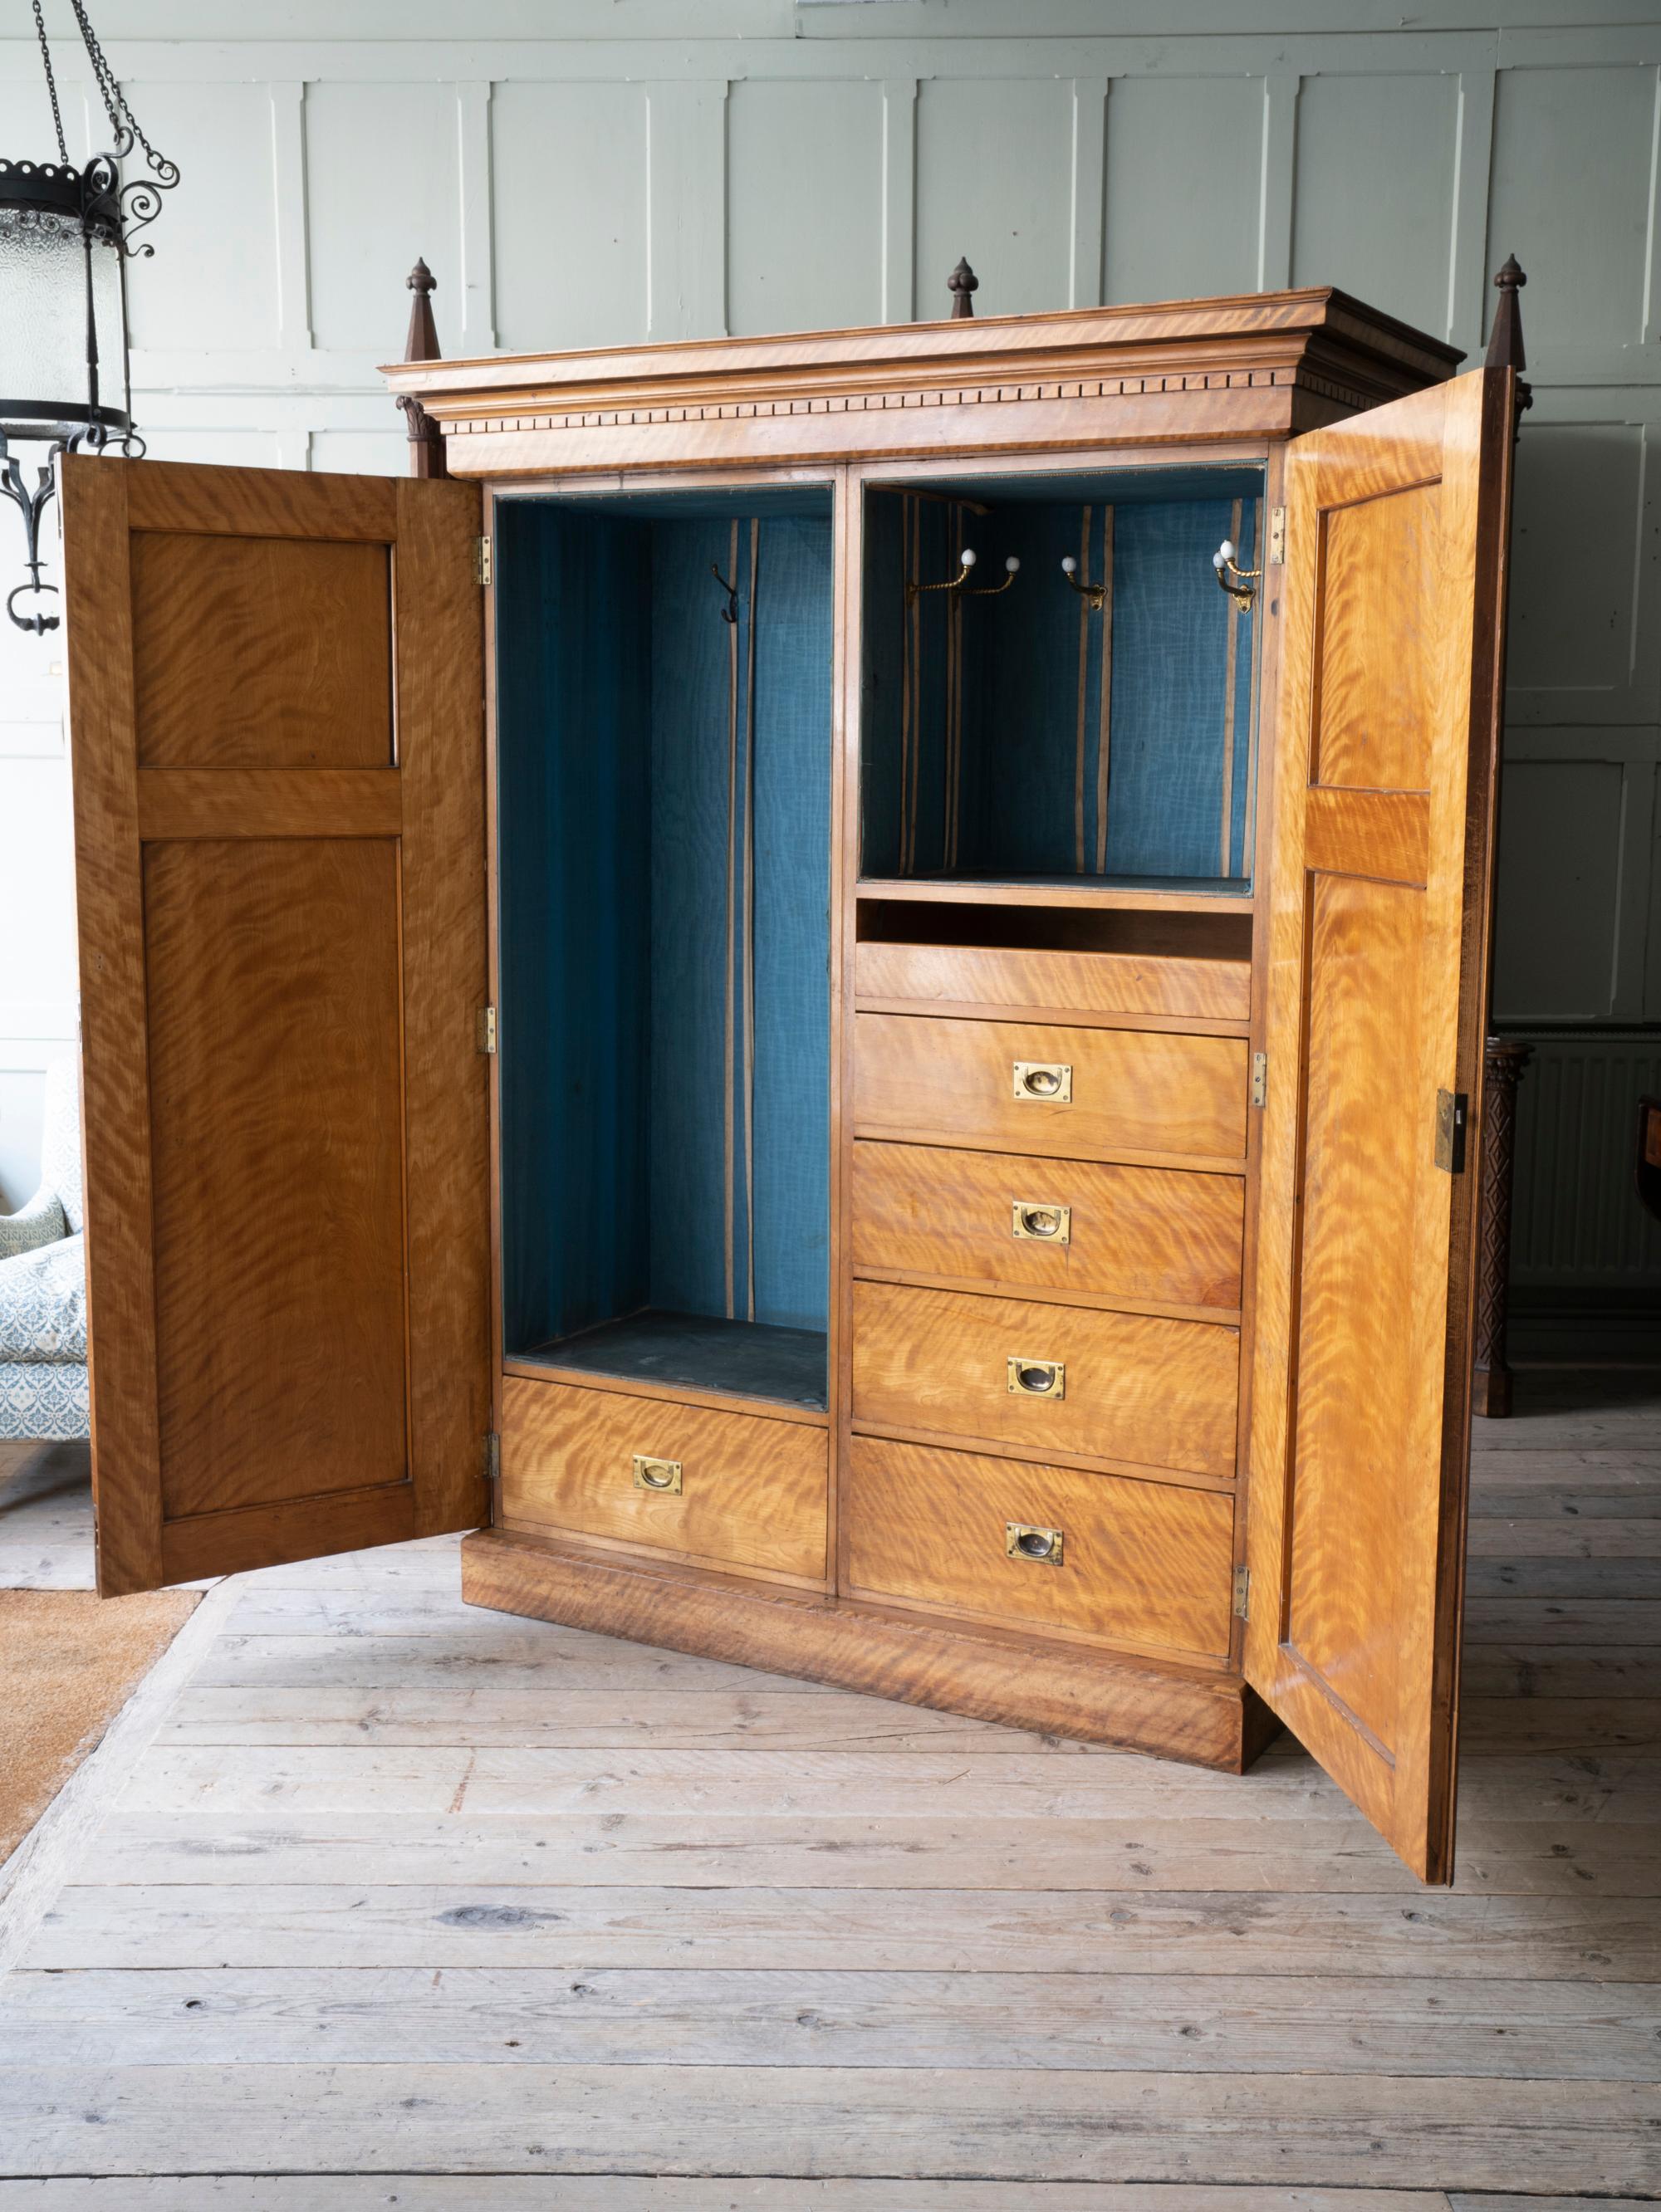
x=1277 y=537
x=492 y=1457
x=1260 y=1078
x=1242 y=1592
x=1452 y=1112
x=482 y=559
x=487 y=1029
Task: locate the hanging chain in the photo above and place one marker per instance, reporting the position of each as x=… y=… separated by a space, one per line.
x=51 y=84
x=122 y=119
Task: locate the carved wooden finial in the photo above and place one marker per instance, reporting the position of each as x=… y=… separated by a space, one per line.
x=426 y=440
x=960 y=283
x=422 y=344
x=1505 y=340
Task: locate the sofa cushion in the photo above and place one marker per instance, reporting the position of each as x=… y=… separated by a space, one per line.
x=43 y=1304
x=39 y=1403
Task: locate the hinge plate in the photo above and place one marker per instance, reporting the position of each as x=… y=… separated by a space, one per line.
x=1242 y=1592
x=1260 y=1078
x=482 y=559
x=487 y=1029
x=493 y=1457
x=1452 y=1112
x=1277 y=537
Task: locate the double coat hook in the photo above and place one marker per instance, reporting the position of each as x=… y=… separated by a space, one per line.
x=959 y=585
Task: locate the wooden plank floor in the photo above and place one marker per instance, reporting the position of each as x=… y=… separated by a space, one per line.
x=398 y=1903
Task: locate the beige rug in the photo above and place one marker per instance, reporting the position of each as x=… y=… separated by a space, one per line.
x=69 y=1662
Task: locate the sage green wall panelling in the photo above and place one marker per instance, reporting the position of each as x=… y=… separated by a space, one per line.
x=1394 y=141
x=1583 y=642
x=383 y=184
x=1561 y=823
x=1574 y=175
x=568 y=181
x=1175 y=147
x=216 y=287
x=994 y=182
x=803 y=204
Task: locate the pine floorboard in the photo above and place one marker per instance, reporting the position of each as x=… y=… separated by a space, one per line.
x=403 y=1904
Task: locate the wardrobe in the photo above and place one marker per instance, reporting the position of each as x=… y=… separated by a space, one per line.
x=836 y=995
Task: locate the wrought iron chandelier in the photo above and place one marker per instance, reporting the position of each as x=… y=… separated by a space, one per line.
x=65 y=239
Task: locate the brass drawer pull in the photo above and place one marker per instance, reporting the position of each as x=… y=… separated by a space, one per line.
x=1036 y=1218
x=1023 y=1541
x=1037 y=1378
x=662 y=1475
x=1049 y=1081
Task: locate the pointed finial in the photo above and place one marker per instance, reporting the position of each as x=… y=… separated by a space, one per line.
x=1505 y=340
x=960 y=283
x=422 y=344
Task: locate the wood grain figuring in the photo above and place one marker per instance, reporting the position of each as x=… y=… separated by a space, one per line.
x=1382 y=577
x=1384 y=834
x=1141 y=1562
x=301 y=672
x=1146 y=1233
x=1133 y=1090
x=1159 y=1394
x=177 y=803
x=272 y=986
x=753 y=1491
x=1090 y=982
x=1377 y=976
x=281 y=972
x=1179 y=1711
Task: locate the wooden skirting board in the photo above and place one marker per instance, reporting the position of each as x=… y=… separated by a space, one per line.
x=1174 y=1712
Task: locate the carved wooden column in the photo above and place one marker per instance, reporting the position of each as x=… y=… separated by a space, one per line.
x=426 y=440
x=1502 y=1069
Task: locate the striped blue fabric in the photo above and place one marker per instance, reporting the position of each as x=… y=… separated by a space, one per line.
x=1022 y=733
x=665 y=803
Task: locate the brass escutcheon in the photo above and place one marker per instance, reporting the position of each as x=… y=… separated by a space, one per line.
x=1037 y=1378
x=1021 y=1540
x=662 y=1475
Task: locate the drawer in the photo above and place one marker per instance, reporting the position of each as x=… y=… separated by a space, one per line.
x=1083 y=982
x=1153 y=1233
x=1133 y=1386
x=1137 y=1090
x=1140 y=1562
x=751 y=1492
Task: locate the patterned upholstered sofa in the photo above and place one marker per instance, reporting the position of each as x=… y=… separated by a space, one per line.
x=43 y=1283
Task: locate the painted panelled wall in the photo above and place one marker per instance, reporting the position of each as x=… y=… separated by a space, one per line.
x=649 y=170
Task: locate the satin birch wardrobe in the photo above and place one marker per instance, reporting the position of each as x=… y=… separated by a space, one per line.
x=904 y=1119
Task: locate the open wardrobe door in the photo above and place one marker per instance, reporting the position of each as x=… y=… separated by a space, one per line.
x=1396 y=525
x=277 y=735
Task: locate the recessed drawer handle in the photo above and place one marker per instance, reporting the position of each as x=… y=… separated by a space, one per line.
x=1023 y=1541
x=662 y=1475
x=1037 y=1378
x=1050 y=1080
x=1036 y=1217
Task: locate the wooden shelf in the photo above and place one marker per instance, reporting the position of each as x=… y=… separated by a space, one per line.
x=1161 y=895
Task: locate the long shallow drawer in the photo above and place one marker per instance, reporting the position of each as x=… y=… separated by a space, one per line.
x=1046 y=1546
x=1114 y=1386
x=730 y=1487
x=1084 y=982
x=999 y=1217
x=1029 y=1087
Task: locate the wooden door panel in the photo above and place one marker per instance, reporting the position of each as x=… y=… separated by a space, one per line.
x=1379 y=898
x=276 y=727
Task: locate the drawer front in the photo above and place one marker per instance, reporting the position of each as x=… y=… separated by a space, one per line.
x=995 y=1218
x=1086 y=982
x=1139 y=1562
x=748 y=1493
x=1083 y=1091
x=1131 y=1386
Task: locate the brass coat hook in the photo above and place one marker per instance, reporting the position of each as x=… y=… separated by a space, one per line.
x=729 y=613
x=1096 y=594
x=958 y=584
x=1240 y=584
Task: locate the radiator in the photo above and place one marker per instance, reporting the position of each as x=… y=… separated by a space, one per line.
x=1577 y=1224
